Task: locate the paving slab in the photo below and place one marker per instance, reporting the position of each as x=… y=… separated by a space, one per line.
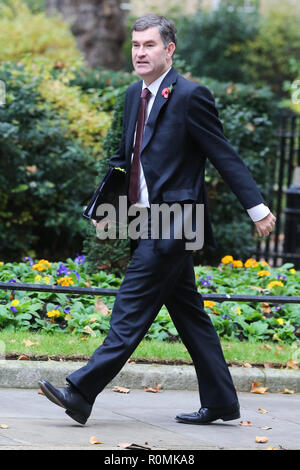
x=140 y=417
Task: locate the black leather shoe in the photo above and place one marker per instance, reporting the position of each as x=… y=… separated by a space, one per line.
x=69 y=398
x=207 y=415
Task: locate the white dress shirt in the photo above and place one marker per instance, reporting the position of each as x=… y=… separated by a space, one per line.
x=256 y=213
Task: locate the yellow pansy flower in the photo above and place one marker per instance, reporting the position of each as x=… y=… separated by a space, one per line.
x=263 y=273
x=65 y=281
x=238 y=310
x=280 y=321
x=275 y=283
x=53 y=313
x=39 y=267
x=264 y=263
x=1 y=262
x=45 y=262
x=209 y=303
x=38 y=277
x=15 y=303
x=292 y=270
x=237 y=263
x=251 y=263
x=227 y=259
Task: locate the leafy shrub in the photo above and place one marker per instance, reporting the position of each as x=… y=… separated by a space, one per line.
x=26 y=35
x=221 y=48
x=47 y=166
x=276 y=44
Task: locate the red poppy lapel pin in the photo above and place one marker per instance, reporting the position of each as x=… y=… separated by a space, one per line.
x=166 y=91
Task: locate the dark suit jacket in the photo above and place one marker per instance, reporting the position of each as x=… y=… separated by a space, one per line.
x=182 y=131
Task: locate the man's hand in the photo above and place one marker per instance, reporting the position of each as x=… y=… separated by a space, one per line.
x=265 y=225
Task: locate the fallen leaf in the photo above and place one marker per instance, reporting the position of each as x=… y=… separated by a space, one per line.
x=265 y=428
x=279 y=347
x=94 y=440
x=256 y=389
x=266 y=346
x=12 y=341
x=287 y=391
x=31 y=169
x=292 y=364
x=132 y=445
x=116 y=388
x=40 y=392
x=153 y=389
x=88 y=284
x=3 y=426
x=250 y=126
x=103 y=266
x=267 y=365
x=265 y=307
x=230 y=89
x=29 y=343
x=261 y=439
x=101 y=308
x=271 y=448
x=261 y=410
x=87 y=329
x=247 y=364
x=23 y=358
x=245 y=423
x=260 y=289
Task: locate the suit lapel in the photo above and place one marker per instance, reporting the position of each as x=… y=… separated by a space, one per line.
x=133 y=114
x=159 y=102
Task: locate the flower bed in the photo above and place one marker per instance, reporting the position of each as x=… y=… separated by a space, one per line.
x=85 y=314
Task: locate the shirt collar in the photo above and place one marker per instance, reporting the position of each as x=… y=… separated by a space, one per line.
x=154 y=86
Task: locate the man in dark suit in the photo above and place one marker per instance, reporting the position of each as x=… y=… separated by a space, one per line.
x=164 y=161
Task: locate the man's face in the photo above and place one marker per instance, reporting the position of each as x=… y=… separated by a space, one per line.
x=150 y=57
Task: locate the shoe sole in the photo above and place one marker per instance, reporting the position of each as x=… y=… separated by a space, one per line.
x=73 y=414
x=224 y=418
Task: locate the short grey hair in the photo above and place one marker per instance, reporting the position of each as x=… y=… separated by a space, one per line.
x=166 y=27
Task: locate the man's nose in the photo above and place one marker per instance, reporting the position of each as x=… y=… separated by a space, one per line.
x=140 y=52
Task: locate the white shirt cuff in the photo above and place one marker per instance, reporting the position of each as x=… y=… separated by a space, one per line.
x=258 y=212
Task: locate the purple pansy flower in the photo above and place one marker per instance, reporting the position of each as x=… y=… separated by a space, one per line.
x=79 y=258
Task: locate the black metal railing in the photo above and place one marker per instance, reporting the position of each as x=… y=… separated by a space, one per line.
x=113 y=292
x=286 y=158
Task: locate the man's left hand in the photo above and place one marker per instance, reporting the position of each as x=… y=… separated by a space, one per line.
x=265 y=225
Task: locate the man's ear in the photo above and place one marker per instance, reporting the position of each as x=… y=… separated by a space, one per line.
x=170 y=49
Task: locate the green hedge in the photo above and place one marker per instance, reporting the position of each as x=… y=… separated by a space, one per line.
x=45 y=173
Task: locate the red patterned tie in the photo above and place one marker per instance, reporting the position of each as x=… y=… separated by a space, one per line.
x=134 y=185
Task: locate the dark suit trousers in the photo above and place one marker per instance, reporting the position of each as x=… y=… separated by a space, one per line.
x=151 y=280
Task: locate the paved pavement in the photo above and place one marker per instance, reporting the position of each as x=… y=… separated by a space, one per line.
x=35 y=423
